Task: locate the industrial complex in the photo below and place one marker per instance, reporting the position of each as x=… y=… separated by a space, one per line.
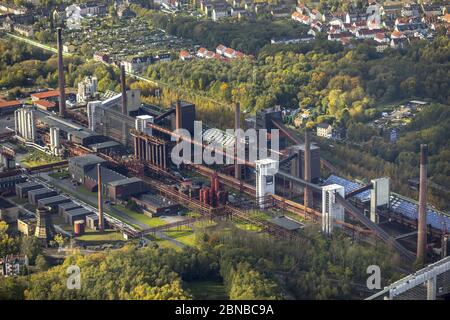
x=119 y=149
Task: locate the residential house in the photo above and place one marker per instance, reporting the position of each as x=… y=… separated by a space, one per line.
x=339 y=36
x=391 y=9
x=101 y=57
x=280 y=12
x=24 y=30
x=219 y=11
x=368 y=34
x=411 y=10
x=399 y=42
x=299 y=17
x=354 y=16
x=315 y=14
x=324 y=130
x=431 y=9
x=185 y=55
x=137 y=64
x=411 y=28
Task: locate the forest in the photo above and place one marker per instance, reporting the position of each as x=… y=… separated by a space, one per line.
x=250 y=266
x=335 y=84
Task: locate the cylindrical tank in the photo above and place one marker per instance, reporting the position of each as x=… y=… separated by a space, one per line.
x=216 y=184
x=78 y=227
x=206 y=195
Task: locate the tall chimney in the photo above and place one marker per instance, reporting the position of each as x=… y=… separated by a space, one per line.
x=307 y=174
x=101 y=224
x=178 y=115
x=237 y=126
x=61 y=81
x=123 y=85
x=422 y=225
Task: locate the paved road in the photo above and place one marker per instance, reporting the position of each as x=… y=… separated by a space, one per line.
x=37 y=44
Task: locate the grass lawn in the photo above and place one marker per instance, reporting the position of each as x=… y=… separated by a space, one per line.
x=60 y=175
x=207 y=290
x=151 y=222
x=248 y=227
x=260 y=214
x=97 y=237
x=184 y=234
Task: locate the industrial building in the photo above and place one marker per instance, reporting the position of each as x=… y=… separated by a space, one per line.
x=73 y=215
x=63 y=207
x=83 y=169
x=153 y=205
x=52 y=202
x=45 y=230
x=79 y=166
x=106 y=147
x=26 y=225
x=287 y=223
x=92 y=221
x=24 y=124
x=36 y=194
x=22 y=189
x=298 y=164
x=7 y=107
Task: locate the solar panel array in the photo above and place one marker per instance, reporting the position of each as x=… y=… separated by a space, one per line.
x=405 y=207
x=410 y=210
x=349 y=186
x=219 y=137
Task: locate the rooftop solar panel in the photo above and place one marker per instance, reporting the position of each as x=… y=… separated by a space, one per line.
x=400 y=205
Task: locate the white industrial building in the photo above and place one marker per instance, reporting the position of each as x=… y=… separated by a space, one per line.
x=265 y=179
x=24 y=124
x=87 y=89
x=55 y=146
x=141 y=124
x=332 y=211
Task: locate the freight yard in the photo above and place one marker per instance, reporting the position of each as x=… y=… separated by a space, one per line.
x=113 y=179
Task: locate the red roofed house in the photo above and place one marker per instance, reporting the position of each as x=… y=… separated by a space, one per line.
x=185 y=55
x=45 y=105
x=51 y=95
x=229 y=53
x=368 y=34
x=221 y=49
x=9 y=106
x=202 y=52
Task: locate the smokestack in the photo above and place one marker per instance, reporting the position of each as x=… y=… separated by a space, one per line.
x=178 y=115
x=307 y=174
x=123 y=85
x=237 y=126
x=101 y=224
x=61 y=81
x=422 y=225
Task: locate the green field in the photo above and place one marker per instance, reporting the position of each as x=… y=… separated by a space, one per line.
x=60 y=175
x=248 y=227
x=151 y=222
x=207 y=290
x=98 y=238
x=183 y=234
